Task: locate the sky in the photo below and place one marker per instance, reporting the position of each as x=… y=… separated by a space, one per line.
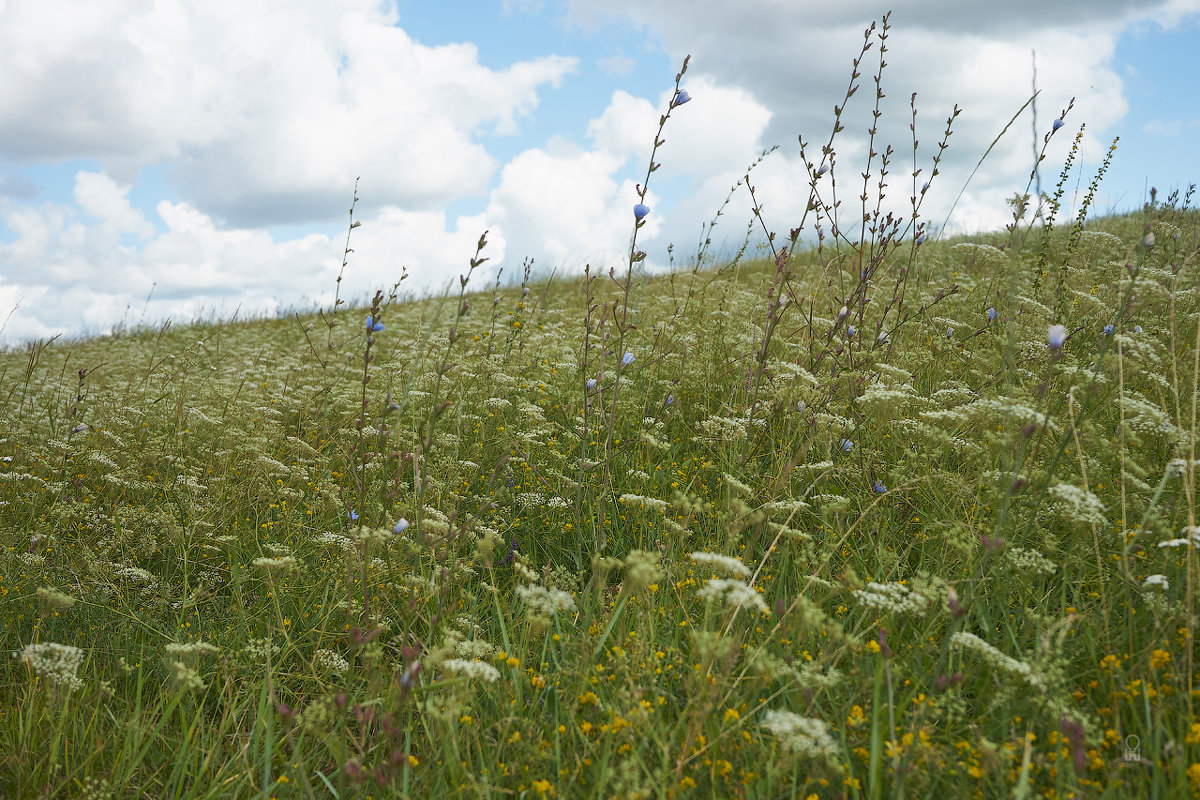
x=178 y=160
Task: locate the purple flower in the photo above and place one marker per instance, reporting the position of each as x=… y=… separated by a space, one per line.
x=1058 y=123
x=1056 y=336
x=352 y=514
x=681 y=97
x=591 y=384
x=1137 y=328
x=847 y=444
x=949 y=333
x=373 y=325
x=401 y=526
x=851 y=330
x=925 y=187
x=921 y=238
x=627 y=359
x=670 y=399
x=1108 y=329
x=991 y=312
x=640 y=211
x=879 y=487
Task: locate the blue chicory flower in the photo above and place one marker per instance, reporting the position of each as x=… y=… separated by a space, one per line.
x=1058 y=123
x=921 y=239
x=640 y=211
x=681 y=97
x=851 y=330
x=1137 y=328
x=879 y=487
x=1056 y=336
x=591 y=384
x=627 y=359
x=949 y=333
x=373 y=325
x=352 y=514
x=670 y=399
x=991 y=312
x=847 y=444
x=401 y=526
x=1108 y=330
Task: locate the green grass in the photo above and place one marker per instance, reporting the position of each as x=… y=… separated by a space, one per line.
x=946 y=532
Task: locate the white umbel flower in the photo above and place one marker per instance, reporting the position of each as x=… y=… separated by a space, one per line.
x=722 y=565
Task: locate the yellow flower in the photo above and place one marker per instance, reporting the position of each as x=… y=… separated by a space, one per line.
x=1159 y=659
x=1110 y=662
x=856 y=716
x=544 y=788
x=731 y=715
x=1193 y=736
x=1193 y=774
x=873 y=646
x=413 y=762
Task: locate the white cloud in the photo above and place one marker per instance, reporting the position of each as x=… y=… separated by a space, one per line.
x=265 y=112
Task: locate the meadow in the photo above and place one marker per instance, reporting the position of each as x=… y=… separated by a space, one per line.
x=875 y=514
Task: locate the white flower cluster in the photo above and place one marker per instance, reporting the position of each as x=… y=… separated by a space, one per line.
x=992 y=656
x=723 y=565
x=330 y=661
x=472 y=669
x=55 y=663
x=258 y=650
x=804 y=736
x=281 y=564
x=646 y=502
x=1191 y=538
x=1077 y=505
x=1023 y=560
x=185 y=678
x=735 y=594
x=1156 y=580
x=895 y=598
x=178 y=650
x=546 y=601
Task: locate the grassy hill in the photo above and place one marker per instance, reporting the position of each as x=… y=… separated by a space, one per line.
x=841 y=524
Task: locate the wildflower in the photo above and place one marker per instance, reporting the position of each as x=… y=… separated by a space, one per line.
x=681 y=97
x=847 y=444
x=880 y=487
x=1156 y=580
x=400 y=526
x=925 y=187
x=805 y=736
x=670 y=399
x=800 y=406
x=330 y=661
x=56 y=663
x=591 y=384
x=1056 y=336
x=921 y=238
x=546 y=601
x=627 y=359
x=640 y=211
x=991 y=312
x=822 y=170
x=1058 y=123
x=471 y=669
x=735 y=594
x=949 y=333
x=353 y=515
x=283 y=564
x=1108 y=330
x=851 y=330
x=891 y=597
x=1137 y=328
x=726 y=565
x=374 y=325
